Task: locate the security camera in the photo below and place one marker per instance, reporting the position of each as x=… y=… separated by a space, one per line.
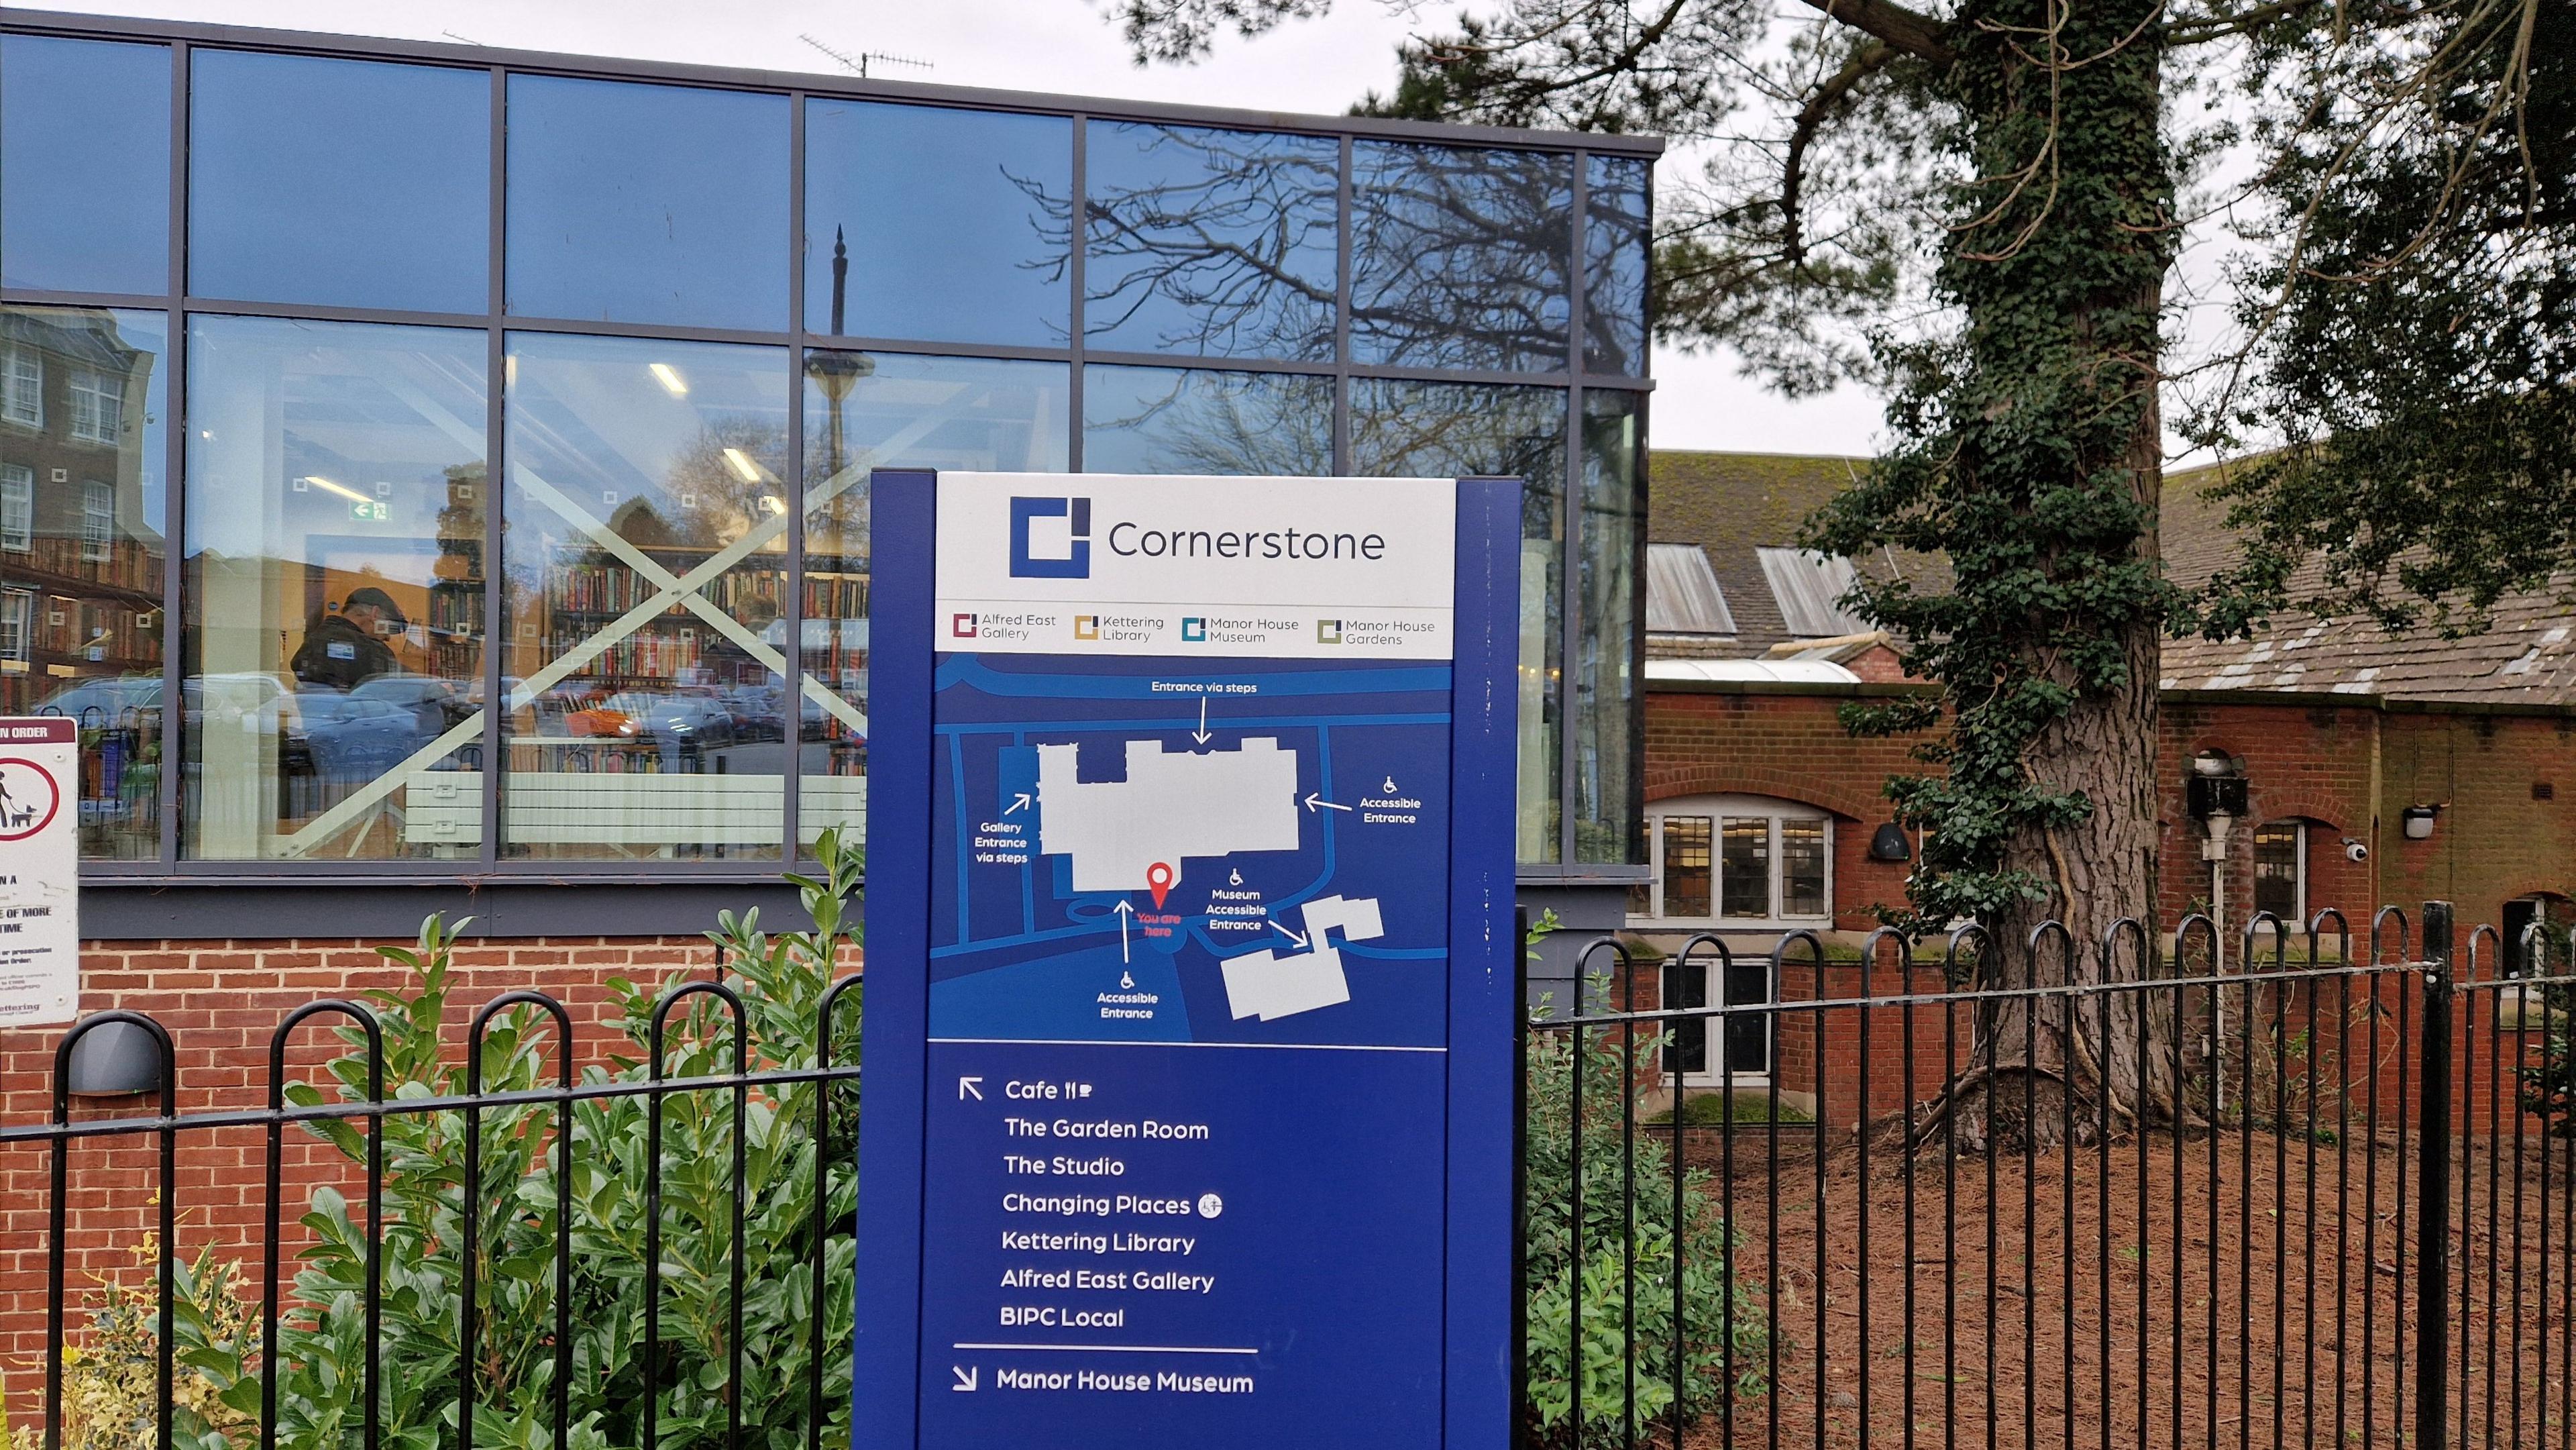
x=2354 y=850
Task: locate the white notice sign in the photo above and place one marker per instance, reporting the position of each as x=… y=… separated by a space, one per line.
x=39 y=870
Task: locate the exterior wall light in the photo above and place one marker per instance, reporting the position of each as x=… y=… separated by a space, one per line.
x=1888 y=843
x=114 y=1060
x=2418 y=821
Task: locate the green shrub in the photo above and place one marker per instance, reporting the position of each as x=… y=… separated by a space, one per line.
x=1623 y=1204
x=323 y=1337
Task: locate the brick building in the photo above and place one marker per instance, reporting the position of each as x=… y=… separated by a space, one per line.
x=2377 y=768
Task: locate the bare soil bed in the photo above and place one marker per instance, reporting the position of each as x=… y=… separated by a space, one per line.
x=2236 y=1290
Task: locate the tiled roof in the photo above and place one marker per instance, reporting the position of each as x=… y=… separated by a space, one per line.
x=1734 y=504
x=2527 y=655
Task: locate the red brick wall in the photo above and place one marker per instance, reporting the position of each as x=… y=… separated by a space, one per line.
x=222 y=1002
x=2348 y=765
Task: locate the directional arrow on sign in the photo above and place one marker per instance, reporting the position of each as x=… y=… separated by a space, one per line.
x=1017 y=802
x=967 y=1087
x=965 y=1379
x=1313 y=800
x=1200 y=735
x=1124 y=912
x=1292 y=936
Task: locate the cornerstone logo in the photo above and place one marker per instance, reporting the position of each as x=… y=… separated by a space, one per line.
x=1041 y=547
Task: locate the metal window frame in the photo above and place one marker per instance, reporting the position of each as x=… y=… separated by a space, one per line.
x=493 y=869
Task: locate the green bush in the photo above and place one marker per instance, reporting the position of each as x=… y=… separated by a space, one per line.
x=323 y=1337
x=1623 y=1204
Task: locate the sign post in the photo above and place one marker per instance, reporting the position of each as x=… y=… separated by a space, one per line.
x=1190 y=991
x=39 y=870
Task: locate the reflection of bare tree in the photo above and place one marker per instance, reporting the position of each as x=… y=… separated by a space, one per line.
x=1228 y=250
x=725 y=483
x=1459 y=257
x=1615 y=246
x=1457 y=430
x=1231 y=423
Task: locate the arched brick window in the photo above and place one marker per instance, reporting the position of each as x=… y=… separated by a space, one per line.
x=1743 y=861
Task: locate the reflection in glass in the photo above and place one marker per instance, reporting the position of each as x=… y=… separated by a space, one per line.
x=1459 y=257
x=1686 y=866
x=84 y=165
x=933 y=223
x=343 y=182
x=1617 y=192
x=1173 y=420
x=1459 y=430
x=81 y=548
x=1744 y=867
x=1216 y=243
x=1802 y=867
x=866 y=411
x=334 y=591
x=647 y=569
x=1609 y=769
x=642 y=203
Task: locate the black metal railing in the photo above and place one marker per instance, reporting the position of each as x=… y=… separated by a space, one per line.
x=456 y=1217
x=2056 y=1193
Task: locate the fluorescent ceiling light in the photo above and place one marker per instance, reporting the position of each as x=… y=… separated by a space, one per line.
x=743 y=465
x=318 y=481
x=669 y=377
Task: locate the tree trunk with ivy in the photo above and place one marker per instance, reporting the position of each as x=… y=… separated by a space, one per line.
x=2031 y=458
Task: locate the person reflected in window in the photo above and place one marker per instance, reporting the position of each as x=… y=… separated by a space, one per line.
x=347 y=648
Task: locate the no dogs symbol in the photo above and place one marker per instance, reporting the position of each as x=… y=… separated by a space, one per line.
x=29 y=797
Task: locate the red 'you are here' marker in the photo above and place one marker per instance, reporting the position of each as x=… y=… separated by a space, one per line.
x=1158 y=879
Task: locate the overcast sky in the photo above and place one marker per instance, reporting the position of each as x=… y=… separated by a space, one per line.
x=1043 y=45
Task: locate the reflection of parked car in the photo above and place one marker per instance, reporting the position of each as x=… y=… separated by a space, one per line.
x=433 y=703
x=103 y=701
x=682 y=719
x=756 y=713
x=353 y=738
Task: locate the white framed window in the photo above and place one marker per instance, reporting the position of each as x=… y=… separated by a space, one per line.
x=17 y=623
x=1706 y=1051
x=2281 y=871
x=17 y=508
x=98 y=520
x=22 y=387
x=1738 y=861
x=98 y=406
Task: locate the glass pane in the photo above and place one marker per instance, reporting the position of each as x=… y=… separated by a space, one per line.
x=2276 y=871
x=1686 y=985
x=1609 y=769
x=1614 y=265
x=1686 y=866
x=634 y=203
x=1454 y=430
x=888 y=410
x=938 y=224
x=1217 y=243
x=84 y=165
x=1747 y=1040
x=82 y=505
x=334 y=591
x=647 y=563
x=1171 y=420
x=342 y=182
x=1459 y=257
x=1802 y=868
x=1744 y=867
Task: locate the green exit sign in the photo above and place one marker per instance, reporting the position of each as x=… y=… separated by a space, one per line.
x=370 y=511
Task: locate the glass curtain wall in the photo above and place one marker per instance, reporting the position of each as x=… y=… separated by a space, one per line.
x=83 y=521
x=334 y=585
x=680 y=532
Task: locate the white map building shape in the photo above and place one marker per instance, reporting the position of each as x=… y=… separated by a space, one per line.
x=1168 y=808
x=1273 y=986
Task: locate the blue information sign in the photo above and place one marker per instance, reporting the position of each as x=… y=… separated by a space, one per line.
x=1188 y=1029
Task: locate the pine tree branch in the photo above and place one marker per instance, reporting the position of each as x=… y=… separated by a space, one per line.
x=1865 y=62
x=1910 y=31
